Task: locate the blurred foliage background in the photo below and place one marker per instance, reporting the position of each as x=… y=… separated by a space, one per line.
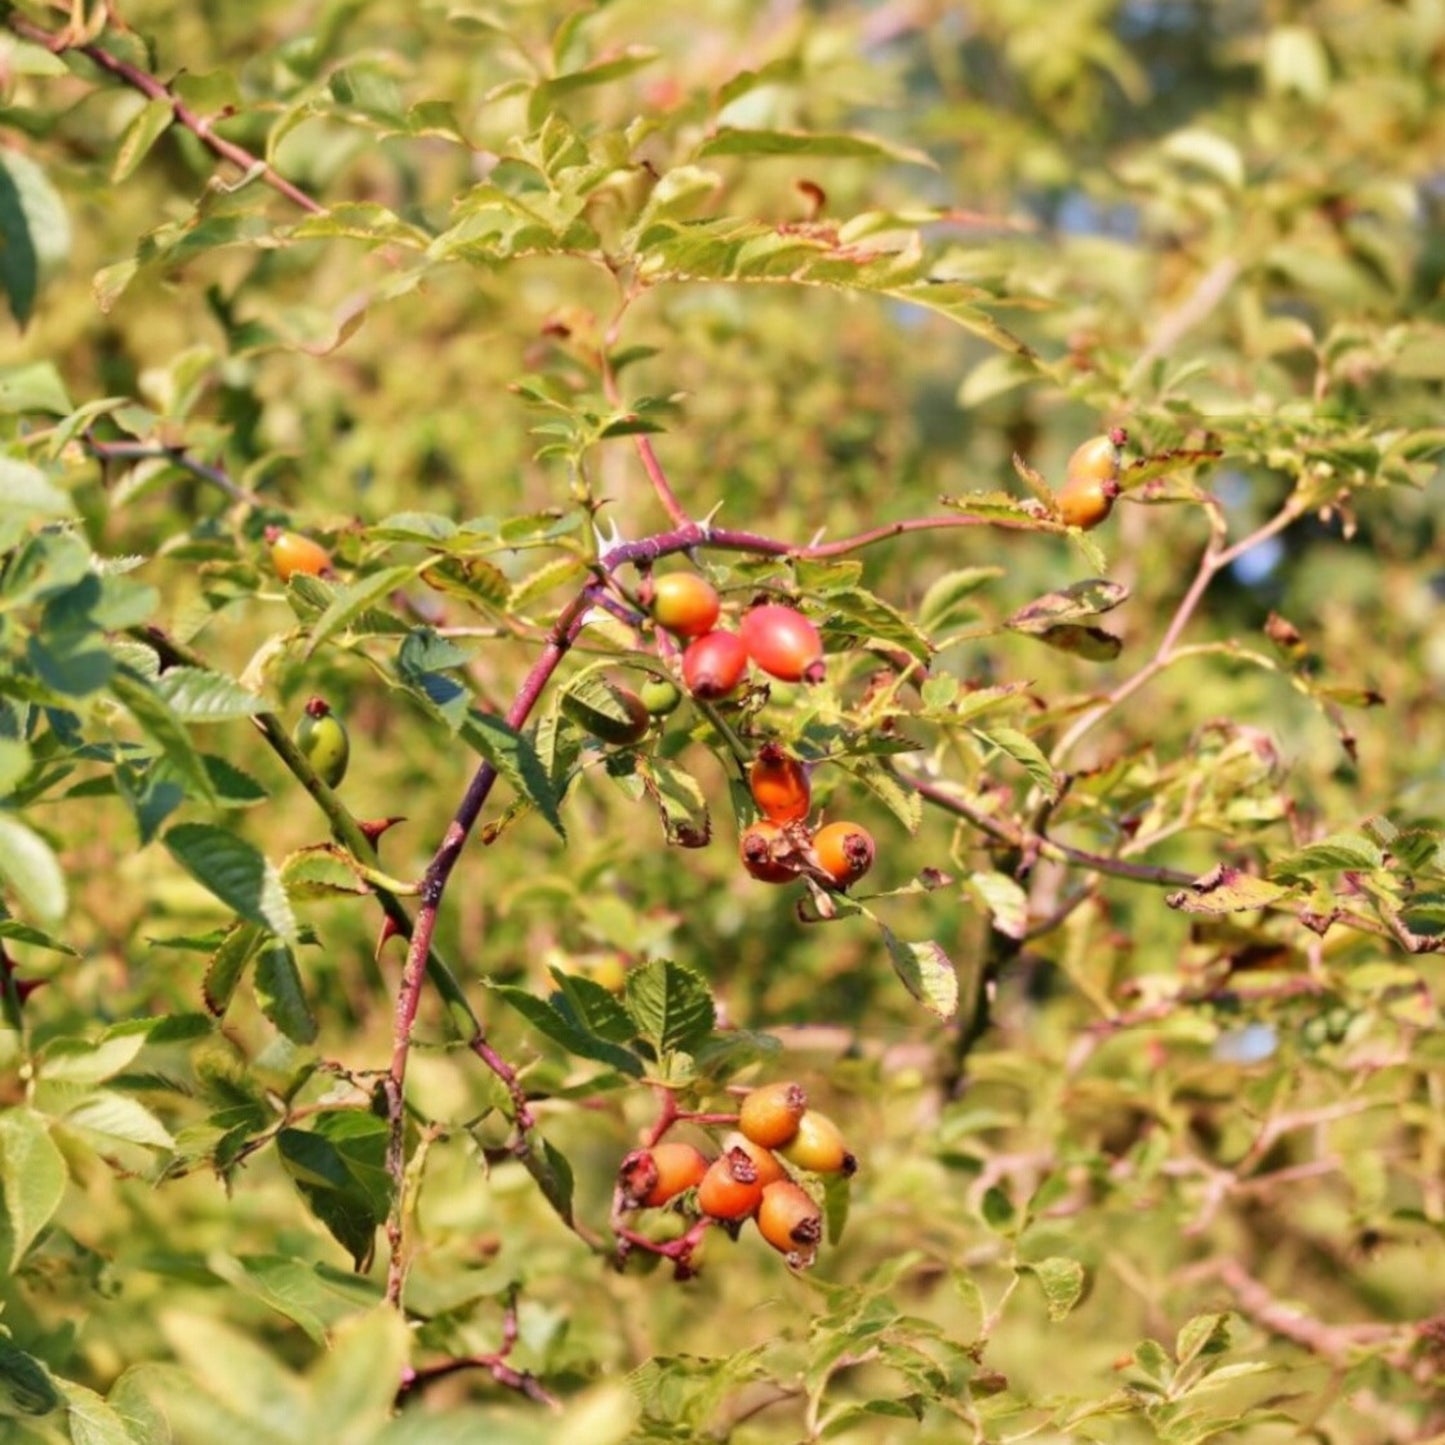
x=1168 y=1174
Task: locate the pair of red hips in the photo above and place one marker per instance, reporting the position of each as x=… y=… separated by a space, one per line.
x=778 y=638
x=781 y=845
x=748 y=1181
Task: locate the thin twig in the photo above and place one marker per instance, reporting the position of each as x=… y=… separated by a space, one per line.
x=177 y=456
x=200 y=126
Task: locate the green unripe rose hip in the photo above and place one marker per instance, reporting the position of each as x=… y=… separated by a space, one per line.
x=321 y=736
x=659 y=696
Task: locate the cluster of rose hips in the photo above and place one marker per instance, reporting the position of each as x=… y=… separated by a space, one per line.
x=782 y=844
x=748 y=1180
x=777 y=638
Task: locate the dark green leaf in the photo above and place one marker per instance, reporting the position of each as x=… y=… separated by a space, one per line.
x=240 y=876
x=671 y=1004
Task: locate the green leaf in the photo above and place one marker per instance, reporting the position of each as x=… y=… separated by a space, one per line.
x=1024 y=751
x=672 y=1005
x=353 y=1386
x=339 y=1166
x=1062 y=1281
x=281 y=994
x=227 y=963
x=852 y=609
x=948 y=600
x=998 y=1211
x=681 y=802
x=927 y=973
x=736 y=141
x=30 y=867
x=565 y=1028
x=79 y=1061
x=1331 y=855
x=28 y=493
x=120 y=1117
x=1005 y=901
x=1202 y=1335
x=902 y=801
x=18 y=932
x=197 y=696
x=593 y=1008
x=26 y=1389
x=349 y=602
x=514 y=756
x=92 y=1421
x=35 y=228
x=313 y=1296
x=32 y=1183
x=160 y=723
x=31 y=386
x=148 y=125
x=237 y=873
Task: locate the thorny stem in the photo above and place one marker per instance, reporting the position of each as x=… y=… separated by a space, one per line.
x=199 y=126
x=434 y=883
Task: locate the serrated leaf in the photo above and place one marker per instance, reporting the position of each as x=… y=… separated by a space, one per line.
x=351 y=601
x=1006 y=902
x=92 y=1421
x=1330 y=855
x=1227 y=890
x=593 y=1008
x=926 y=971
x=1062 y=1281
x=671 y=1005
x=160 y=723
x=121 y=1117
x=323 y=870
x=559 y=572
x=902 y=801
x=1070 y=604
x=29 y=866
x=994 y=505
x=281 y=994
x=237 y=873
x=681 y=802
x=854 y=608
x=227 y=963
x=549 y=1167
x=339 y=1167
x=563 y=1028
x=197 y=696
x=1024 y=751
x=33 y=1177
x=514 y=756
